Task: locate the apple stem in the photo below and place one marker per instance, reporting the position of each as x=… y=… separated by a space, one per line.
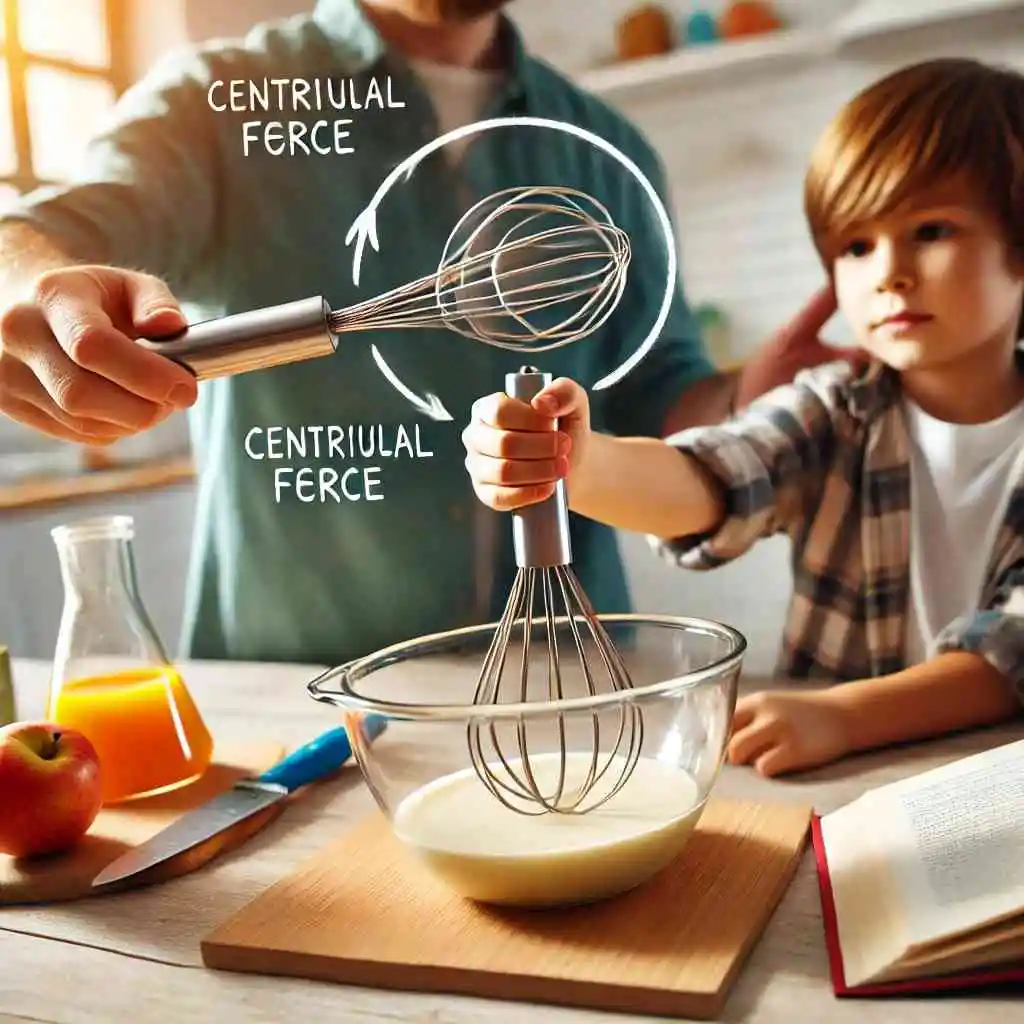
x=51 y=751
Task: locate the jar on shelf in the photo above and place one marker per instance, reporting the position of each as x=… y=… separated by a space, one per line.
x=643 y=32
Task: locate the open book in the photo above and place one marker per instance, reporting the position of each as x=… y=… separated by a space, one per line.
x=922 y=881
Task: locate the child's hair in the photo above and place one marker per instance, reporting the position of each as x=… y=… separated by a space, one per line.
x=912 y=130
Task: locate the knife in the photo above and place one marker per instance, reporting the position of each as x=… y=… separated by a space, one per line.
x=202 y=833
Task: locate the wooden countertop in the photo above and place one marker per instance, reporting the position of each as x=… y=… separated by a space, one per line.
x=136 y=956
x=58 y=489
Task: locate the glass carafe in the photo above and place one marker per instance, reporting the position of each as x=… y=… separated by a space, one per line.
x=112 y=679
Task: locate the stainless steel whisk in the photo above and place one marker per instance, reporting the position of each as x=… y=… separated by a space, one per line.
x=531 y=268
x=540 y=535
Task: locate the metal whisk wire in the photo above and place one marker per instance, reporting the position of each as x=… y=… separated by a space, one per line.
x=541 y=539
x=525 y=269
x=515 y=254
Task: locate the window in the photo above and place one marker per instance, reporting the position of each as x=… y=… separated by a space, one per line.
x=64 y=64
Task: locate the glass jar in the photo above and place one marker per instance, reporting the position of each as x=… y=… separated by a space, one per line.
x=112 y=679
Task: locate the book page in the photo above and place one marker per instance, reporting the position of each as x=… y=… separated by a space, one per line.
x=945 y=855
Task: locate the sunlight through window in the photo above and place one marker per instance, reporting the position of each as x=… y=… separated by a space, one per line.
x=61 y=73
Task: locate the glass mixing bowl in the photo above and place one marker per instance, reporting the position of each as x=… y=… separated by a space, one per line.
x=455 y=776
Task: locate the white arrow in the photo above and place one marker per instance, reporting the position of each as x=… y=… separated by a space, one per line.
x=365 y=227
x=430 y=404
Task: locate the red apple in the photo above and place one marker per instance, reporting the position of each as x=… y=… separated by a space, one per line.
x=50 y=790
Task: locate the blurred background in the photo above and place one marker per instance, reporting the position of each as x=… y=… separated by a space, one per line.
x=732 y=94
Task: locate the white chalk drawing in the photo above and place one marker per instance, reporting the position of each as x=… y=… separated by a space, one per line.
x=364 y=230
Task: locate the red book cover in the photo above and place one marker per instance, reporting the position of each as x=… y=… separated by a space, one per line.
x=1006 y=975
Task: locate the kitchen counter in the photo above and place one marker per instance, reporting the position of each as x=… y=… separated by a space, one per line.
x=54 y=488
x=136 y=956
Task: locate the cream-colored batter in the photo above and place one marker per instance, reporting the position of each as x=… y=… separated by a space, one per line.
x=490 y=853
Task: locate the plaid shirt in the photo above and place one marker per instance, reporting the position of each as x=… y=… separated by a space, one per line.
x=826 y=460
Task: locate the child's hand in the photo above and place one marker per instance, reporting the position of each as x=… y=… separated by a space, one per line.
x=515 y=456
x=787 y=730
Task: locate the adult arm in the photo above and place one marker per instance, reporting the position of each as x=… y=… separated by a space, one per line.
x=795 y=346
x=70 y=304
x=143 y=197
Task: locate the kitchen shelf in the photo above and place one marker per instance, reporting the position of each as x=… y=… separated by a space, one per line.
x=873 y=18
x=57 y=489
x=701 y=62
x=869 y=19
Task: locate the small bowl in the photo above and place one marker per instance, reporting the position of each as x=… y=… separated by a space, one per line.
x=451 y=776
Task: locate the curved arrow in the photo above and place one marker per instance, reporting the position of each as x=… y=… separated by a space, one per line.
x=364 y=227
x=431 y=405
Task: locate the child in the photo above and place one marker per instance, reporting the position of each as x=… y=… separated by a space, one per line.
x=899 y=483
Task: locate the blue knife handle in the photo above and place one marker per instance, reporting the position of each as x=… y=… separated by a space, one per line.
x=318 y=758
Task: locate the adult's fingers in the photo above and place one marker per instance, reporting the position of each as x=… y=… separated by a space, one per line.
x=83 y=394
x=155 y=313
x=153 y=310
x=22 y=387
x=32 y=416
x=78 y=392
x=75 y=305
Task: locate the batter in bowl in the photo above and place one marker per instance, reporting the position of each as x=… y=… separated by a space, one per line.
x=488 y=852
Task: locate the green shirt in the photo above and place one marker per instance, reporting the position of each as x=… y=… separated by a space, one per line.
x=168 y=188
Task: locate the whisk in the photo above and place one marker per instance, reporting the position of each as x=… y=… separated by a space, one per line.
x=525 y=269
x=540 y=535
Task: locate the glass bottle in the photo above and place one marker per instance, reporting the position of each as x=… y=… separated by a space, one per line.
x=112 y=679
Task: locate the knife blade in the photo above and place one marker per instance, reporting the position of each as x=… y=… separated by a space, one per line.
x=238 y=813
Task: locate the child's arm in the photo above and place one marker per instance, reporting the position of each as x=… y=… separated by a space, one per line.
x=975 y=679
x=713 y=490
x=955 y=690
x=791 y=730
x=644 y=485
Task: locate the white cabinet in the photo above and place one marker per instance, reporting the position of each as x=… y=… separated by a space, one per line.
x=31 y=594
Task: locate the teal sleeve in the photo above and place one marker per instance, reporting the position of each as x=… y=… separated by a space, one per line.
x=144 y=195
x=638 y=403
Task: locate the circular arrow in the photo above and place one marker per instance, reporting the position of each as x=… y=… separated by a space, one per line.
x=364 y=227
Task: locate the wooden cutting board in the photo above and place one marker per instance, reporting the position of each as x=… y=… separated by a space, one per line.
x=365 y=912
x=69 y=875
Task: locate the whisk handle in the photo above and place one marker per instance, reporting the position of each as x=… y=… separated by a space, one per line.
x=272 y=336
x=540 y=532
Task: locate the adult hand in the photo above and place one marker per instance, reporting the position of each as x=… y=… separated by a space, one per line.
x=515 y=452
x=788 y=730
x=69 y=365
x=794 y=347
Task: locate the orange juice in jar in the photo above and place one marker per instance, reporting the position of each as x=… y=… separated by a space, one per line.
x=144 y=725
x=112 y=680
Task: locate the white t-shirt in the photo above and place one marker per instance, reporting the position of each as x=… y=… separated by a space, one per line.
x=962 y=476
x=460 y=97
